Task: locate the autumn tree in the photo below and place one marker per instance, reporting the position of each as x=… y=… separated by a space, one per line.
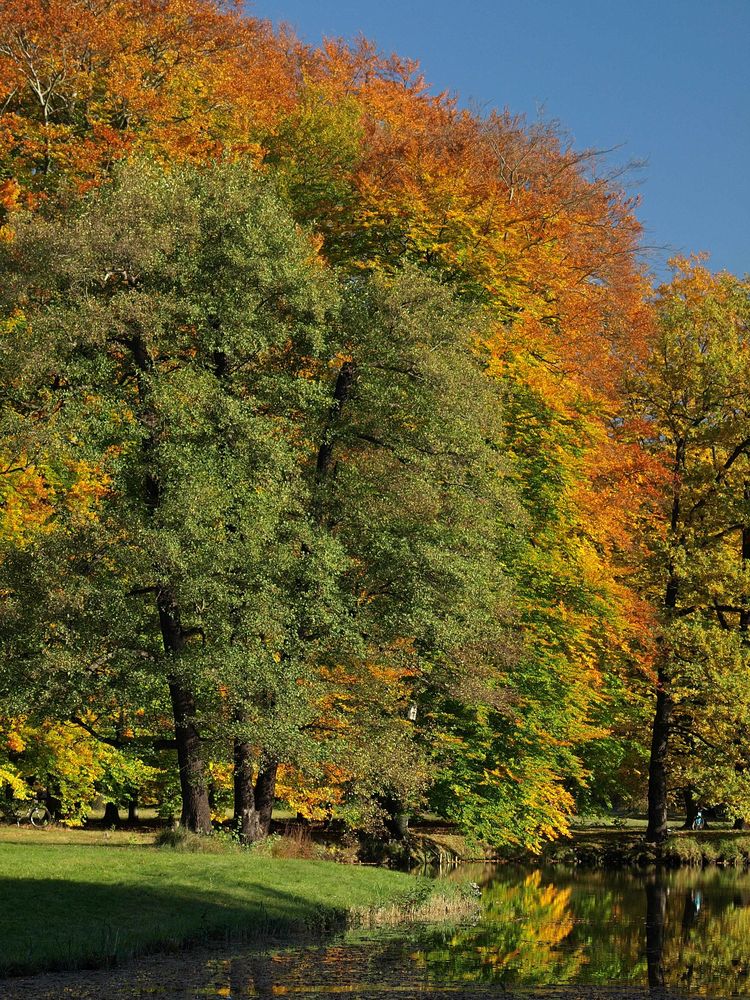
x=300 y=498
x=691 y=407
x=84 y=84
x=388 y=175
x=136 y=303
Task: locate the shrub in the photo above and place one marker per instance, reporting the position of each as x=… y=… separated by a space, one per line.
x=180 y=839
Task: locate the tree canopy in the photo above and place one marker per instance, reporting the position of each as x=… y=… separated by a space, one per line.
x=347 y=450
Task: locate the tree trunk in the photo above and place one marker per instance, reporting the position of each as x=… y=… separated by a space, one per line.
x=196 y=811
x=396 y=819
x=253 y=802
x=52 y=798
x=745 y=556
x=657 y=832
x=691 y=808
x=744 y=623
x=341 y=393
x=265 y=791
x=244 y=792
x=111 y=814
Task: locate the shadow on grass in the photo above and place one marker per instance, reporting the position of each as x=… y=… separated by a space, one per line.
x=51 y=924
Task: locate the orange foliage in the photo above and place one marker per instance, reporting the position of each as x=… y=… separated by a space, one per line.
x=508 y=208
x=386 y=172
x=25 y=502
x=85 y=82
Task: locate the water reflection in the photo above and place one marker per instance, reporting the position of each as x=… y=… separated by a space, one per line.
x=575 y=933
x=686 y=931
x=656 y=919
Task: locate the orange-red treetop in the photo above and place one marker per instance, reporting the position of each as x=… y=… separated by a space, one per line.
x=383 y=171
x=390 y=170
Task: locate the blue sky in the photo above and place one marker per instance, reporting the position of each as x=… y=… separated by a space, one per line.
x=667 y=79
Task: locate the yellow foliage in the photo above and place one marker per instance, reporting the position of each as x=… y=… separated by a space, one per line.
x=312 y=799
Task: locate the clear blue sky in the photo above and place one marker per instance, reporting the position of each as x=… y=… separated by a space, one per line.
x=669 y=79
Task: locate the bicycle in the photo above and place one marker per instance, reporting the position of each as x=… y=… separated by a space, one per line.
x=25 y=811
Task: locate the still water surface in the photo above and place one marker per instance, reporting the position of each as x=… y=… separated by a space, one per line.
x=549 y=932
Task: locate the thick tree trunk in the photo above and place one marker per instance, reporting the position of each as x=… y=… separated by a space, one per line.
x=133 y=809
x=196 y=811
x=265 y=791
x=253 y=801
x=691 y=808
x=657 y=832
x=111 y=814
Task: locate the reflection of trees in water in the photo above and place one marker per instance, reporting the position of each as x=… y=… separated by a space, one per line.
x=519 y=938
x=359 y=962
x=684 y=929
x=252 y=972
x=706 y=935
x=656 y=912
x=689 y=930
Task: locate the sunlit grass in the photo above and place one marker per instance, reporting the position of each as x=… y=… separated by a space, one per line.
x=49 y=835
x=71 y=903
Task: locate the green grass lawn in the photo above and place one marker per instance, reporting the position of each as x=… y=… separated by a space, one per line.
x=74 y=905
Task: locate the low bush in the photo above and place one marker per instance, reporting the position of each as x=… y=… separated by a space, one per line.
x=180 y=839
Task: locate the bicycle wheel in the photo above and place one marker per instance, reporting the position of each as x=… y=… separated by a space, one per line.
x=39 y=815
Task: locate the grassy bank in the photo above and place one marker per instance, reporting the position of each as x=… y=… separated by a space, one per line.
x=67 y=906
x=625 y=847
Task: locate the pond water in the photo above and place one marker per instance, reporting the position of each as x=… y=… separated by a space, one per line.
x=547 y=932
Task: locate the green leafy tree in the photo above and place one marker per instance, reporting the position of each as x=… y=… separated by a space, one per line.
x=691 y=408
x=168 y=319
x=296 y=516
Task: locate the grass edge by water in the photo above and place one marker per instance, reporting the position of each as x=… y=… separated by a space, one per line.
x=612 y=848
x=180 y=911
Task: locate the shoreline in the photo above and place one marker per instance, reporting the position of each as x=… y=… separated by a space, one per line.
x=605 y=848
x=101 y=906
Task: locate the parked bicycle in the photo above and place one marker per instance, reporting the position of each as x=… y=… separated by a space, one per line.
x=20 y=811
